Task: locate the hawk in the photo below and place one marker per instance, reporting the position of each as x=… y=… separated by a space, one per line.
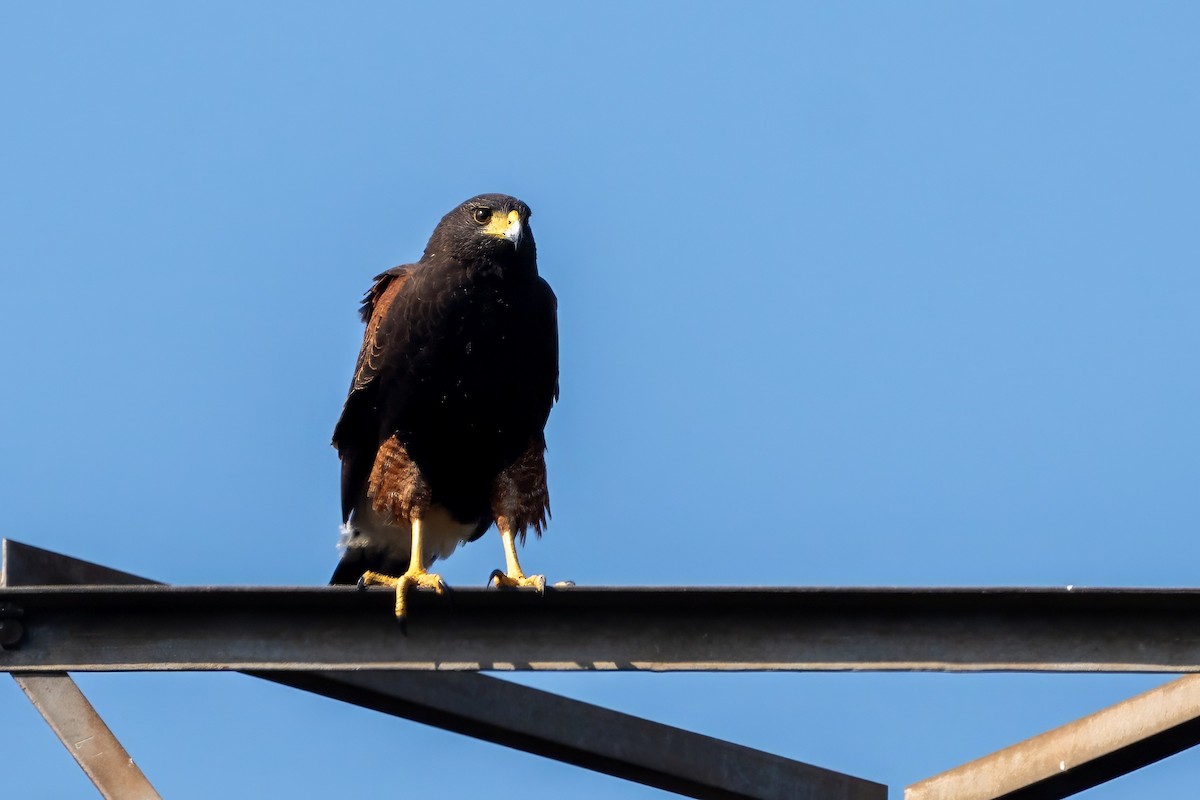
x=442 y=432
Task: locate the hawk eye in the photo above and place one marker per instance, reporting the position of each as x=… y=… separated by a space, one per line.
x=482 y=215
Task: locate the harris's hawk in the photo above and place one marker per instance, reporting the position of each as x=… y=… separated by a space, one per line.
x=442 y=432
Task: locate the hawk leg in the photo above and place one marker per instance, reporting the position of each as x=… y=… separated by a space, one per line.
x=514 y=578
x=414 y=576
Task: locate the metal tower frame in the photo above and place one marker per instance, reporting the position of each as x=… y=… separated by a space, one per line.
x=59 y=614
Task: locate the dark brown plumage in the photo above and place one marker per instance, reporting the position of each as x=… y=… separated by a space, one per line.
x=444 y=421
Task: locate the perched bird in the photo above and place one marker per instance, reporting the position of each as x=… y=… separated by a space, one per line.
x=442 y=432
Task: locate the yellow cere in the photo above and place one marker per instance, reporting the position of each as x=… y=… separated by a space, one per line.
x=498 y=225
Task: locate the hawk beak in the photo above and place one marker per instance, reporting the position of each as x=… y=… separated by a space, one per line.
x=513 y=231
x=510 y=227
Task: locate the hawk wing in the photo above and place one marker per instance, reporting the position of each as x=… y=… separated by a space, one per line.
x=357 y=433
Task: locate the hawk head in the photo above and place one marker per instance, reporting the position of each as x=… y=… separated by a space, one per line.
x=491 y=227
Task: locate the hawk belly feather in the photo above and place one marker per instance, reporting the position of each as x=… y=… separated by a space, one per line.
x=444 y=421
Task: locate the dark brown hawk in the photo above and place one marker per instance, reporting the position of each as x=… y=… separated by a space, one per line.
x=442 y=432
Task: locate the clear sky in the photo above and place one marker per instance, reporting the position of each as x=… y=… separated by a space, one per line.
x=850 y=294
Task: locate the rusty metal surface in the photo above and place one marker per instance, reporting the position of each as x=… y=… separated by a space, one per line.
x=585 y=628
x=86 y=737
x=1081 y=754
x=530 y=719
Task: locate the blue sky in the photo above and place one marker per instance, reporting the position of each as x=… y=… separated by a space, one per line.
x=850 y=294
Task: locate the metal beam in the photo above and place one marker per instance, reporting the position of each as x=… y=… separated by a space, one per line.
x=661 y=629
x=1081 y=754
x=86 y=737
x=528 y=719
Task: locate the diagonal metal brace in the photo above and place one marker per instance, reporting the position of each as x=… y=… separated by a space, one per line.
x=89 y=741
x=1079 y=755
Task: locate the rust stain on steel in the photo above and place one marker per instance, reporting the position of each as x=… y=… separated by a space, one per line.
x=1081 y=754
x=86 y=737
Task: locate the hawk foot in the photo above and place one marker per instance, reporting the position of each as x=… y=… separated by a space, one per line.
x=519 y=581
x=412 y=578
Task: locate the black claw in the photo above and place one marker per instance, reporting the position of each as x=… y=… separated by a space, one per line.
x=403 y=623
x=361 y=583
x=496 y=574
